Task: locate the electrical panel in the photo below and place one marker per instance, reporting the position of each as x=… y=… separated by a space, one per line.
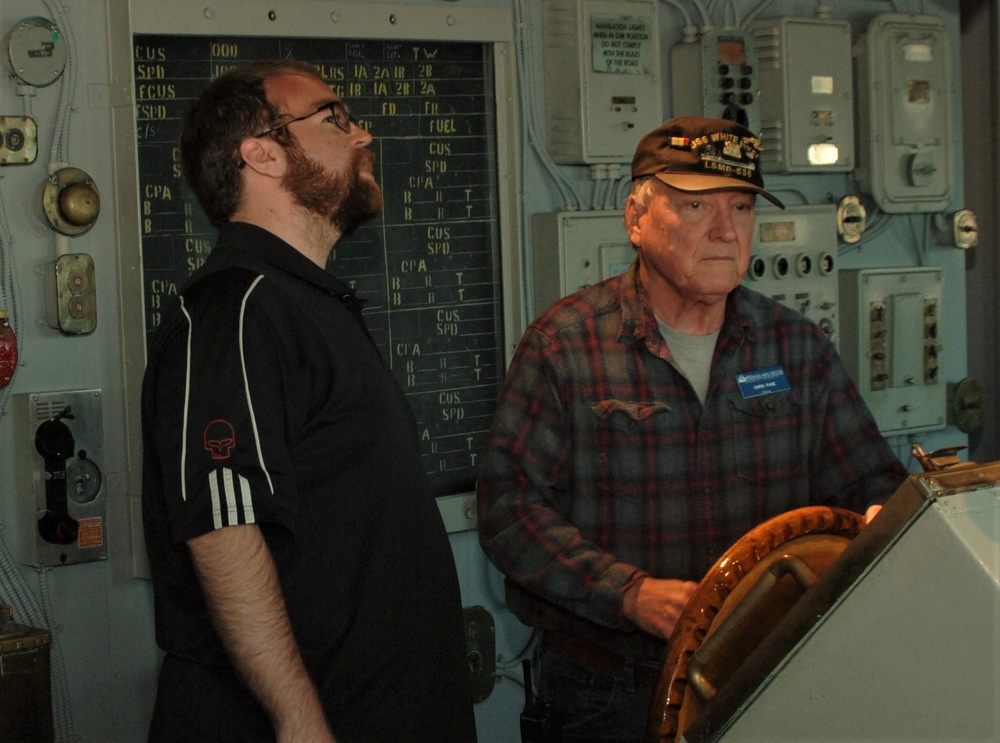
x=602 y=78
x=62 y=498
x=717 y=77
x=906 y=157
x=793 y=260
x=807 y=109
x=890 y=342
x=576 y=249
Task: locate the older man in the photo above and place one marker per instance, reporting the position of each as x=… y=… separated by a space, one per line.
x=631 y=447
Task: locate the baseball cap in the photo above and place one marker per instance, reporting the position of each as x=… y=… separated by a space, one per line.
x=697 y=154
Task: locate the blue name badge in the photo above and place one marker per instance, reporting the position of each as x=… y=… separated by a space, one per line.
x=763 y=382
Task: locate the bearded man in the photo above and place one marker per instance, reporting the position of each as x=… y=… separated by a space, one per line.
x=303 y=581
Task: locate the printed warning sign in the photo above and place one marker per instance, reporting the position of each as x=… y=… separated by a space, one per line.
x=91 y=532
x=622 y=44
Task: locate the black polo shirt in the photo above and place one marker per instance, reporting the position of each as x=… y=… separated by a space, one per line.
x=266 y=402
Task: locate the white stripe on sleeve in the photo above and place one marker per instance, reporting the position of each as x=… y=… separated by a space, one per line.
x=230 y=493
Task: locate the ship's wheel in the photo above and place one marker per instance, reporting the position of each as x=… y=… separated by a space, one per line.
x=740 y=599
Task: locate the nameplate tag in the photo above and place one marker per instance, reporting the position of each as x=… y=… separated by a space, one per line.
x=763 y=382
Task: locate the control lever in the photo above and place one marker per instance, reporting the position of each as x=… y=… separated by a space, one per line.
x=54 y=441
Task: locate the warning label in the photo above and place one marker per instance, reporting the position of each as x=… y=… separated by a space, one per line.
x=91 y=532
x=622 y=44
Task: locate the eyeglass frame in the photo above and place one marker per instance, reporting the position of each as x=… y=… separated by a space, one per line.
x=335 y=108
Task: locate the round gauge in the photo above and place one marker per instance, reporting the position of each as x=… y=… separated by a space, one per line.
x=83 y=480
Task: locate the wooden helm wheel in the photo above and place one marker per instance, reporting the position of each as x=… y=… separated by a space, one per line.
x=740 y=599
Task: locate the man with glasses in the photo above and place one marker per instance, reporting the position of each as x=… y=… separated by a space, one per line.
x=303 y=581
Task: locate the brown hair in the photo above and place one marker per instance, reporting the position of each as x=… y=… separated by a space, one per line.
x=233 y=107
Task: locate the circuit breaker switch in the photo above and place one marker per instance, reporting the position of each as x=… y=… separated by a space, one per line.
x=959 y=229
x=852 y=218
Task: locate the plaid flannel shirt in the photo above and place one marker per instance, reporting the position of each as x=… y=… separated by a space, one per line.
x=603 y=465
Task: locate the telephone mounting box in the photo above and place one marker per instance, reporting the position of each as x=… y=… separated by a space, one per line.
x=59 y=443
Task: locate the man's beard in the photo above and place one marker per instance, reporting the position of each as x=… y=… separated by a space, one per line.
x=346 y=199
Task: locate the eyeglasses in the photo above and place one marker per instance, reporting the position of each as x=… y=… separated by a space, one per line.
x=338 y=112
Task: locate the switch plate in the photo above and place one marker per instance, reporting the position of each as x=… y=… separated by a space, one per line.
x=794 y=260
x=890 y=343
x=71 y=306
x=717 y=76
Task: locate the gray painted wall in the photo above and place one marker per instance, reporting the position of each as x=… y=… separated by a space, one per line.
x=100 y=612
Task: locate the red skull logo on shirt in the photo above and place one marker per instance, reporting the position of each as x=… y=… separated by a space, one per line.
x=220 y=439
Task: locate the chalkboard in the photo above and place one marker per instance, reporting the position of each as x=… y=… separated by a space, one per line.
x=429 y=265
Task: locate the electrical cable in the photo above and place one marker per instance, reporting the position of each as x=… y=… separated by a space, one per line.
x=59 y=152
x=599 y=175
x=30 y=612
x=705 y=17
x=510 y=677
x=27 y=92
x=25 y=603
x=879 y=223
x=523 y=652
x=15 y=590
x=611 y=195
x=62 y=710
x=753 y=13
x=676 y=5
x=533 y=134
x=730 y=10
x=623 y=188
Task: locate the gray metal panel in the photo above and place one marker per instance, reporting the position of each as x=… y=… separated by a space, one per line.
x=910 y=652
x=337 y=20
